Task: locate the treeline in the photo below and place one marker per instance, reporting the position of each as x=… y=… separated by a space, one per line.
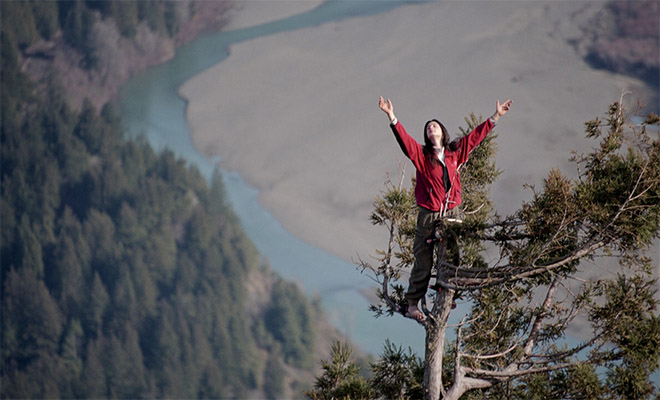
x=123 y=271
x=31 y=20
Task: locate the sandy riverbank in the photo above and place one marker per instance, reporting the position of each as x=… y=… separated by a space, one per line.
x=296 y=113
x=257 y=12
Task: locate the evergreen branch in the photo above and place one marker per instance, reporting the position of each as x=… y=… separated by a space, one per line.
x=387 y=262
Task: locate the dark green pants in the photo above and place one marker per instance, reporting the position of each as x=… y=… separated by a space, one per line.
x=421 y=271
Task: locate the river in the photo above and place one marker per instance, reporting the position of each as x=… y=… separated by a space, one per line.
x=150 y=106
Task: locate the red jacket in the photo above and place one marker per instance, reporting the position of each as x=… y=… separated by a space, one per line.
x=430 y=188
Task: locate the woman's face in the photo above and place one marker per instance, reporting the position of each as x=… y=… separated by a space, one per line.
x=434 y=133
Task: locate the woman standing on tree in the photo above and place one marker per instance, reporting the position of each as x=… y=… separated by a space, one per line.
x=437 y=187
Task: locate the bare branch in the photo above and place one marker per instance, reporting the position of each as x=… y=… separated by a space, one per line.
x=536 y=326
x=506 y=375
x=472 y=279
x=475 y=210
x=494 y=355
x=471 y=320
x=554 y=357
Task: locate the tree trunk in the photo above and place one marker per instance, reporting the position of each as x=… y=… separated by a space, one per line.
x=435 y=345
x=462 y=384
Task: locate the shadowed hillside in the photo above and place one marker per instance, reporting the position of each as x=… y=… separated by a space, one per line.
x=624 y=38
x=125 y=273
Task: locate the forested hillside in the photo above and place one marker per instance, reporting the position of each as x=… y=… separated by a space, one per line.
x=124 y=271
x=92 y=46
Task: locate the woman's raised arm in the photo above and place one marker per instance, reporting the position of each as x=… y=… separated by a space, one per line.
x=387 y=107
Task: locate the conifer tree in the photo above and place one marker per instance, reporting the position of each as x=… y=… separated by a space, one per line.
x=541 y=280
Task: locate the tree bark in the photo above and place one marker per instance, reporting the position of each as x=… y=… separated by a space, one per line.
x=462 y=384
x=435 y=344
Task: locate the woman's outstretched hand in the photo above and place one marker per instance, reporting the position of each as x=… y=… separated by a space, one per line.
x=501 y=109
x=386 y=106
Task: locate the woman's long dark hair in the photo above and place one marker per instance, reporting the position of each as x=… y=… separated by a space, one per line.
x=446 y=141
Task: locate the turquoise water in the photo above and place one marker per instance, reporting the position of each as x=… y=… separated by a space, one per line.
x=150 y=106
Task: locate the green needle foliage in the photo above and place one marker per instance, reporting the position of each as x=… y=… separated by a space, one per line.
x=538 y=280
